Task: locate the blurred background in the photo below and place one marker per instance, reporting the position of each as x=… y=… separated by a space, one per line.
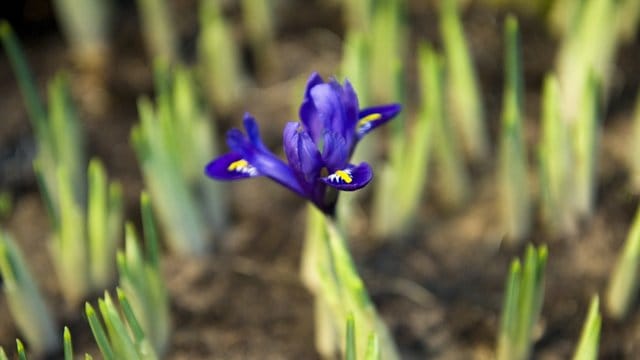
x=440 y=286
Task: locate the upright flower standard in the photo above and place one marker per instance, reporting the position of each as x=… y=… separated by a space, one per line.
x=318 y=149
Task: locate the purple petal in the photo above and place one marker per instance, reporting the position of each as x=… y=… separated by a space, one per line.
x=253 y=131
x=335 y=151
x=302 y=153
x=371 y=118
x=351 y=178
x=230 y=166
x=314 y=79
x=350 y=103
x=271 y=166
x=237 y=141
x=308 y=112
x=330 y=112
x=266 y=163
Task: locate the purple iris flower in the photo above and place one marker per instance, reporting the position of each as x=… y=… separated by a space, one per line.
x=318 y=148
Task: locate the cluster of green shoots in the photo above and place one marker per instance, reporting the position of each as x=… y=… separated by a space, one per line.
x=175 y=138
x=85 y=210
x=449 y=130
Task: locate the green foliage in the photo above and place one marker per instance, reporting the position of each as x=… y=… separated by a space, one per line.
x=158 y=29
x=452 y=177
x=556 y=163
x=388 y=47
x=26 y=82
x=258 y=19
x=591 y=22
x=329 y=273
x=513 y=185
x=86 y=227
x=373 y=346
x=218 y=58
x=462 y=89
x=22 y=353
x=634 y=147
x=123 y=337
x=523 y=297
x=624 y=281
x=141 y=280
x=350 y=346
x=86 y=25
x=85 y=237
x=586 y=143
x=173 y=142
x=68 y=346
x=587 y=348
x=403 y=180
x=6 y=203
x=26 y=304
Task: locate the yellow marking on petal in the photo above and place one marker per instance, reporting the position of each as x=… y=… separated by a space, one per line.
x=238 y=165
x=369 y=118
x=344 y=176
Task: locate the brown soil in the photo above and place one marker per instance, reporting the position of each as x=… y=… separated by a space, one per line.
x=439 y=290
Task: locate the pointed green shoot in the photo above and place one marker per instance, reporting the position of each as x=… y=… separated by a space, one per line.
x=330 y=274
x=513 y=186
x=22 y=354
x=6 y=203
x=104 y=220
x=524 y=294
x=556 y=163
x=388 y=46
x=141 y=281
x=98 y=333
x=634 y=148
x=579 y=55
x=121 y=337
x=412 y=184
x=463 y=91
x=355 y=68
x=373 y=348
x=66 y=137
x=350 y=346
x=68 y=346
x=258 y=18
x=587 y=348
x=452 y=175
x=143 y=345
x=172 y=142
x=26 y=304
x=86 y=26
x=158 y=29
x=117 y=331
x=26 y=81
x=624 y=281
x=3 y=355
x=150 y=231
x=409 y=175
x=586 y=144
x=218 y=58
x=68 y=244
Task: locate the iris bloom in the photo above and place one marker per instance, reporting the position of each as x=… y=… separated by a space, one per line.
x=318 y=148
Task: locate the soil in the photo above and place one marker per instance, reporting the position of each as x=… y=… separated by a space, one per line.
x=439 y=289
